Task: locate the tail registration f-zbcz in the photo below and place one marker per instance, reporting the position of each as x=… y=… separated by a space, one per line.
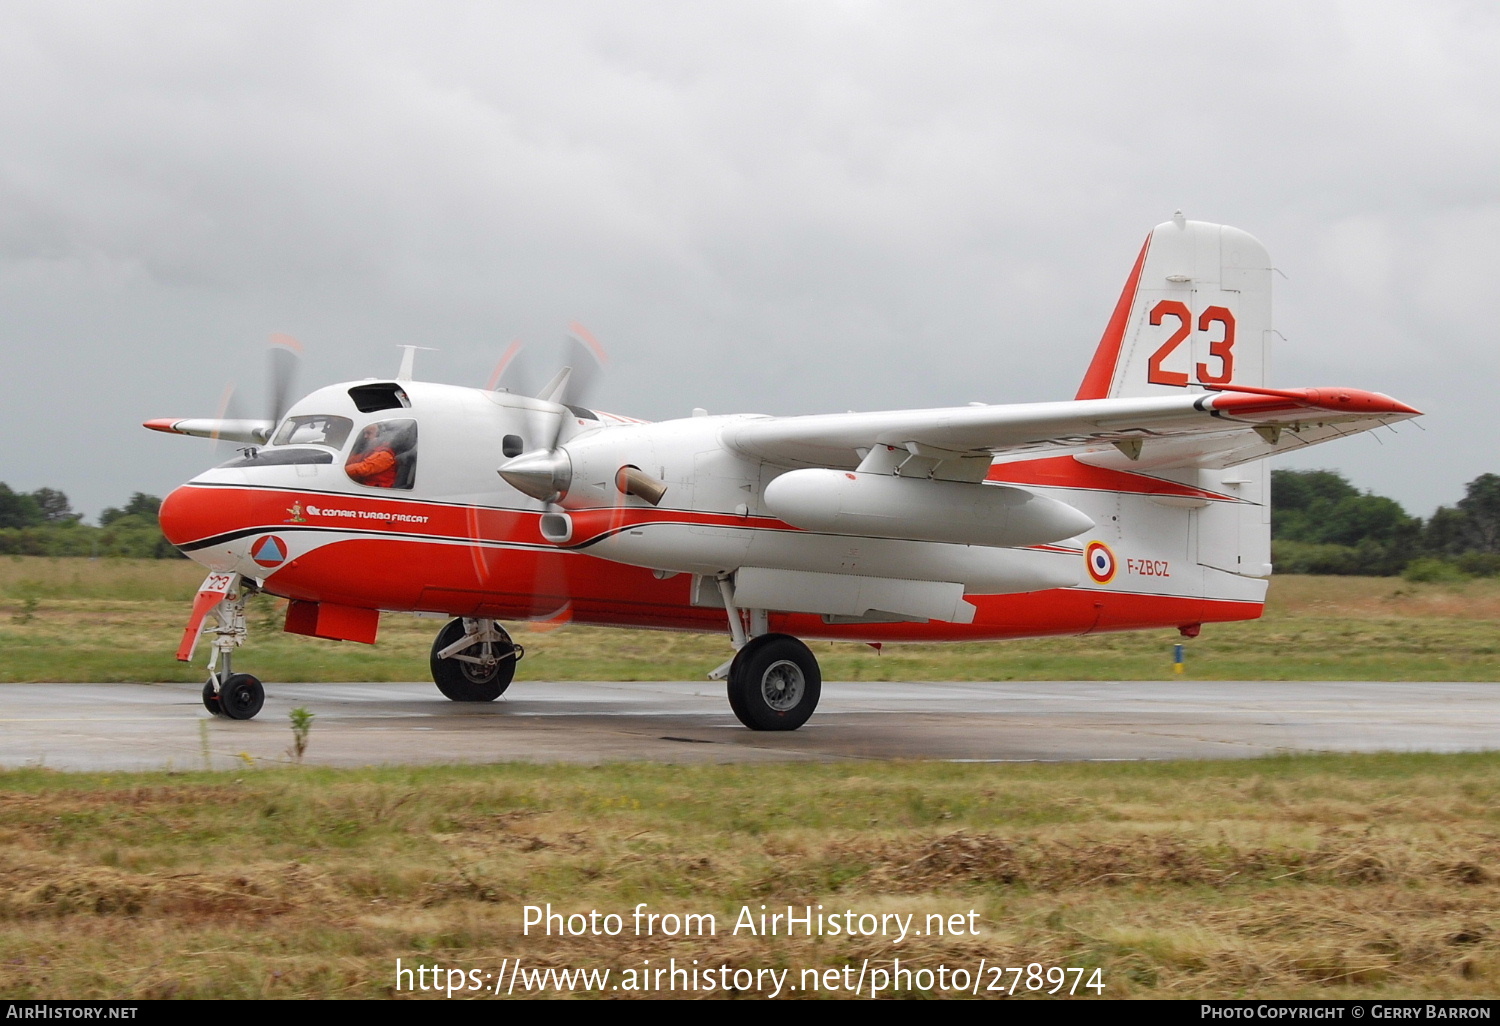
x=1143 y=502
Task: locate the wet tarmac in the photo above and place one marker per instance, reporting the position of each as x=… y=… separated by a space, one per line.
x=164 y=726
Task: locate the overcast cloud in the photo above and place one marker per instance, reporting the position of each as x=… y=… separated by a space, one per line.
x=776 y=207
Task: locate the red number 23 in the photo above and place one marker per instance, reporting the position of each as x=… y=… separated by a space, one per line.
x=1220 y=349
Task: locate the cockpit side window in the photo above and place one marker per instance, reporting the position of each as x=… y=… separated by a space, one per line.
x=385 y=455
x=321 y=429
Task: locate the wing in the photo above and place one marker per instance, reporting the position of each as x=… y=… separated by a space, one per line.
x=1211 y=429
x=254 y=431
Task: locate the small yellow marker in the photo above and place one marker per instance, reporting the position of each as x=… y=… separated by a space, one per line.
x=1177 y=656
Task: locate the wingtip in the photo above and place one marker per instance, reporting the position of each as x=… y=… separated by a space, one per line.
x=1370 y=401
x=1343 y=400
x=1356 y=400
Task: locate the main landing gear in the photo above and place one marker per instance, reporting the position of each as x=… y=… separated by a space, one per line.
x=774 y=683
x=473 y=660
x=774 y=680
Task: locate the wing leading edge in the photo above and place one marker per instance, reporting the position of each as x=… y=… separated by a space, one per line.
x=1203 y=429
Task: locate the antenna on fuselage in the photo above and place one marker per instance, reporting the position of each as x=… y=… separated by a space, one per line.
x=409 y=359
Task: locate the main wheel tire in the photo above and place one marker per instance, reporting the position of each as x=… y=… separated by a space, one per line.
x=241 y=696
x=774 y=683
x=735 y=705
x=211 y=700
x=471 y=682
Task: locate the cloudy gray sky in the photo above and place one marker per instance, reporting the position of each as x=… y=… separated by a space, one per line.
x=782 y=207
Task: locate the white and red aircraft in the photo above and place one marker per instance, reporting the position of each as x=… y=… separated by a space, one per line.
x=1142 y=503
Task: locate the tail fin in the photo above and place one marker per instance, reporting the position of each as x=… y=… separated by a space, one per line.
x=1196 y=311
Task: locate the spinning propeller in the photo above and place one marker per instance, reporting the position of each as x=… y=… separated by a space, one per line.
x=229 y=423
x=544 y=471
x=545 y=413
x=283 y=354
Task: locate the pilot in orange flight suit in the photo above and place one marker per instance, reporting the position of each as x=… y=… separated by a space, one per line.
x=377 y=466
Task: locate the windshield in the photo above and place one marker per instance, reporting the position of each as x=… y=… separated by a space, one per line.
x=322 y=429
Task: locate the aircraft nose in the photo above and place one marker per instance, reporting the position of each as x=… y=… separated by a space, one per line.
x=184 y=515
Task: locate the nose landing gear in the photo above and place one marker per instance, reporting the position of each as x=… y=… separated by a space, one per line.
x=238 y=696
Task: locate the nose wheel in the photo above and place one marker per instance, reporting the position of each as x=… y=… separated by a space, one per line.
x=240 y=697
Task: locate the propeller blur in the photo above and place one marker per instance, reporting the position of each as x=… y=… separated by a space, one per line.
x=1143 y=502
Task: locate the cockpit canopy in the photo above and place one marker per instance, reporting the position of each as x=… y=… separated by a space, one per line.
x=383 y=453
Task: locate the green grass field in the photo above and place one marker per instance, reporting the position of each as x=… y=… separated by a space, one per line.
x=113 y=620
x=1316 y=877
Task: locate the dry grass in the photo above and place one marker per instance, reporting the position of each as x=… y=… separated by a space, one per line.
x=1355 y=876
x=1296 y=877
x=1382 y=598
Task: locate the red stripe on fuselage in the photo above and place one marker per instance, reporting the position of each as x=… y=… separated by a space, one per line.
x=196 y=513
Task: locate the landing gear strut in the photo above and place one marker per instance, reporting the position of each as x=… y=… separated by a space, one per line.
x=473 y=660
x=238 y=696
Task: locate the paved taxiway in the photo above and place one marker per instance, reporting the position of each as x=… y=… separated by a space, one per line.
x=156 y=726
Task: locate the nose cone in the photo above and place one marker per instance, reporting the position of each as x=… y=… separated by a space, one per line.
x=183 y=516
x=207 y=525
x=174 y=516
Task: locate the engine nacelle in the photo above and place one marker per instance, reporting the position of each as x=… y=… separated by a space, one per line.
x=882 y=506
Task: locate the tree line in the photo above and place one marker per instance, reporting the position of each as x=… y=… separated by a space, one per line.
x=42 y=523
x=1322 y=524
